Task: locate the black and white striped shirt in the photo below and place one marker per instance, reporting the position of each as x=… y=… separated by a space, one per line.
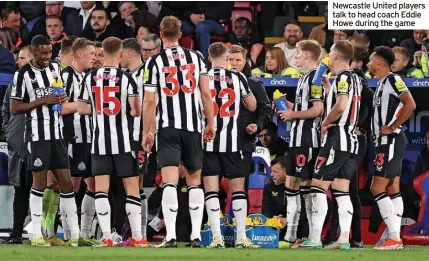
x=343 y=137
x=77 y=128
x=108 y=90
x=387 y=106
x=227 y=89
x=30 y=84
x=305 y=132
x=175 y=73
x=137 y=75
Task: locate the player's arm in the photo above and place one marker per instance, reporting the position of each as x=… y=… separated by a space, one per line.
x=69 y=107
x=246 y=94
x=342 y=85
x=407 y=100
x=150 y=84
x=134 y=99
x=83 y=106
x=152 y=128
x=206 y=97
x=316 y=98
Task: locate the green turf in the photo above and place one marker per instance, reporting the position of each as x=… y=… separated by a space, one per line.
x=23 y=253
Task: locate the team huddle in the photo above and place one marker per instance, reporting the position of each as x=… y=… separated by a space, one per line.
x=111 y=118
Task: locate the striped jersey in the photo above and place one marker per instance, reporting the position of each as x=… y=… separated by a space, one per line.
x=29 y=84
x=387 y=106
x=342 y=137
x=77 y=128
x=174 y=74
x=227 y=89
x=305 y=132
x=107 y=89
x=137 y=75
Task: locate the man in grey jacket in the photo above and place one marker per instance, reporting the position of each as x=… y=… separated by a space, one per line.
x=14 y=126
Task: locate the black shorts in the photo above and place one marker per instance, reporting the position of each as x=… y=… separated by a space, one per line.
x=388 y=158
x=80 y=159
x=176 y=145
x=300 y=162
x=124 y=165
x=331 y=164
x=47 y=155
x=141 y=157
x=227 y=164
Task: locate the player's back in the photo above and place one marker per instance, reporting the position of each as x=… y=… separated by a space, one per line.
x=174 y=73
x=227 y=89
x=108 y=90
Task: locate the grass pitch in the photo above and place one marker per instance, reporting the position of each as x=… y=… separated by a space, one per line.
x=24 y=253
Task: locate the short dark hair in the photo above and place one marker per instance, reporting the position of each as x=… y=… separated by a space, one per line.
x=217 y=49
x=282 y=160
x=271 y=128
x=349 y=33
x=295 y=22
x=67 y=43
x=386 y=53
x=361 y=54
x=54 y=17
x=5 y=12
x=81 y=43
x=40 y=40
x=100 y=8
x=98 y=44
x=245 y=19
x=132 y=44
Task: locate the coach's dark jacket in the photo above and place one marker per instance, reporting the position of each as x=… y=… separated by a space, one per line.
x=13 y=126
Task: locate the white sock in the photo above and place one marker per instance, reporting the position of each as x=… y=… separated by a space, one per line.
x=387 y=212
x=319 y=211
x=66 y=228
x=88 y=212
x=305 y=191
x=398 y=205
x=133 y=207
x=291 y=211
x=102 y=207
x=196 y=210
x=239 y=207
x=68 y=207
x=144 y=214
x=213 y=213
x=170 y=207
x=345 y=214
x=36 y=201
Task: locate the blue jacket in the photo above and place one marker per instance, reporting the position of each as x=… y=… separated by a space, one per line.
x=7 y=64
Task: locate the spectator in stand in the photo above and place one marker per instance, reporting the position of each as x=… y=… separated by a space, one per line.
x=54 y=29
x=100 y=21
x=146 y=23
x=79 y=21
x=401 y=65
x=245 y=35
x=151 y=45
x=268 y=138
x=292 y=34
x=275 y=65
x=13 y=126
x=11 y=18
x=360 y=41
x=99 y=55
x=414 y=44
x=7 y=64
x=321 y=33
x=337 y=35
x=66 y=56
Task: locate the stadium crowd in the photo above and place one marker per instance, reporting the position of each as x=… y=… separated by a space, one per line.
x=129 y=41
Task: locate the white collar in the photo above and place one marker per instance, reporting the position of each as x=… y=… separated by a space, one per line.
x=82 y=12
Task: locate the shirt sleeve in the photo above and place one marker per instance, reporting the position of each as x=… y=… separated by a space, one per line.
x=244 y=86
x=83 y=91
x=19 y=88
x=315 y=92
x=398 y=85
x=133 y=90
x=203 y=66
x=68 y=84
x=150 y=77
x=342 y=85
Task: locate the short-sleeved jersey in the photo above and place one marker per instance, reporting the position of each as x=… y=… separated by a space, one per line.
x=227 y=89
x=137 y=75
x=304 y=132
x=387 y=106
x=343 y=135
x=107 y=89
x=174 y=74
x=29 y=84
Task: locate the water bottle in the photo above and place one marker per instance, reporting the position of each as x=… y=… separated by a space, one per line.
x=57 y=88
x=321 y=70
x=280 y=101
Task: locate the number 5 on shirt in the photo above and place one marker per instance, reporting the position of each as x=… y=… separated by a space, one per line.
x=108 y=97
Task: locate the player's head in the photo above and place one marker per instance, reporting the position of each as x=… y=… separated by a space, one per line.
x=218 y=54
x=112 y=48
x=381 y=60
x=401 y=59
x=268 y=135
x=237 y=57
x=99 y=55
x=360 y=59
x=170 y=29
x=307 y=51
x=278 y=170
x=42 y=50
x=131 y=52
x=24 y=56
x=341 y=53
x=83 y=53
x=66 y=45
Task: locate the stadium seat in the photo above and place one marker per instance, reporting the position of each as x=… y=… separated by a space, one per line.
x=242 y=4
x=260 y=159
x=187 y=42
x=255 y=201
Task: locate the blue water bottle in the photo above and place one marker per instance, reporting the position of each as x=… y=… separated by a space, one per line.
x=57 y=88
x=280 y=101
x=321 y=70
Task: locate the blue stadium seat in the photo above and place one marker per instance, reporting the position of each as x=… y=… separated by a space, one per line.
x=261 y=162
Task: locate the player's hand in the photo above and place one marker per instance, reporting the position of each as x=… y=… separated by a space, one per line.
x=325 y=129
x=209 y=133
x=386 y=130
x=325 y=82
x=52 y=99
x=286 y=115
x=252 y=128
x=63 y=98
x=147 y=142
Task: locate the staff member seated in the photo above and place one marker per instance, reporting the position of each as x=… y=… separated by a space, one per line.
x=275 y=65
